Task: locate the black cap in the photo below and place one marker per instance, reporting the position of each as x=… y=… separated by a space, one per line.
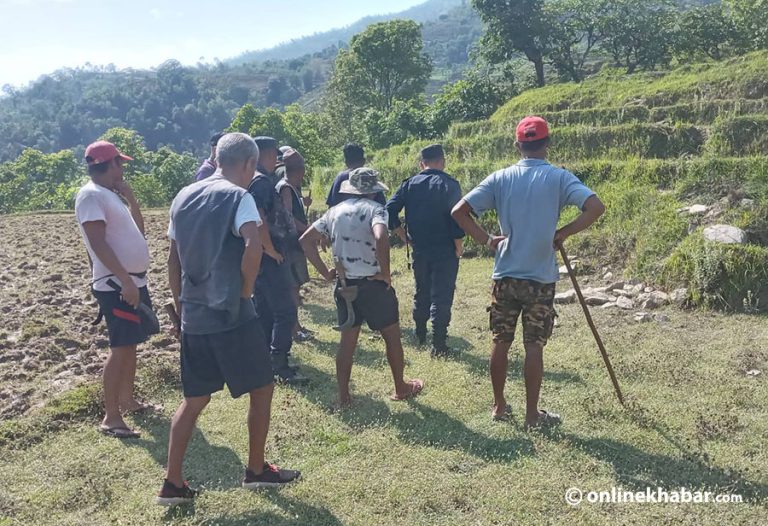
x=215 y=138
x=432 y=152
x=265 y=143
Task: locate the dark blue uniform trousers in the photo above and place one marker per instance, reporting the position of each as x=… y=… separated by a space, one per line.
x=277 y=310
x=435 y=273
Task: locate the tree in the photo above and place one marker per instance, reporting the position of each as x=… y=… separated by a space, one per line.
x=580 y=29
x=751 y=18
x=405 y=120
x=383 y=64
x=639 y=34
x=516 y=26
x=472 y=98
x=705 y=31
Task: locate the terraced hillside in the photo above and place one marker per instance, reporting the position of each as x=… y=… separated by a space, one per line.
x=651 y=145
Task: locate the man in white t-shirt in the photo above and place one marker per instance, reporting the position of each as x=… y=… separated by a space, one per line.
x=357 y=228
x=114 y=237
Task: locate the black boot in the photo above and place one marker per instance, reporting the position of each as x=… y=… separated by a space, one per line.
x=285 y=373
x=421 y=334
x=439 y=342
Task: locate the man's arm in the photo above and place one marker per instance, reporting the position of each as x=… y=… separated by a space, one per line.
x=394 y=206
x=251 y=261
x=591 y=211
x=309 y=241
x=133 y=204
x=266 y=239
x=96 y=232
x=382 y=253
x=286 y=194
x=462 y=214
x=174 y=275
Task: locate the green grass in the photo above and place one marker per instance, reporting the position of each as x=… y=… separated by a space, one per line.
x=693 y=419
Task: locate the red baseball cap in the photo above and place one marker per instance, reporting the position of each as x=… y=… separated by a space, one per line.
x=102 y=152
x=532 y=129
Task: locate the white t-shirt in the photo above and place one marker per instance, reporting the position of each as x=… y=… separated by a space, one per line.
x=246 y=213
x=349 y=225
x=97 y=203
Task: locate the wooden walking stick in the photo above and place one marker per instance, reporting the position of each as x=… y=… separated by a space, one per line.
x=591 y=324
x=306 y=212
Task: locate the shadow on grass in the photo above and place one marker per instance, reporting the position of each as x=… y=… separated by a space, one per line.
x=365 y=356
x=211 y=466
x=636 y=469
x=320 y=315
x=424 y=425
x=479 y=365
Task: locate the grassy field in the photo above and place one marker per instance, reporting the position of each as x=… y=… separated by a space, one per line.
x=694 y=418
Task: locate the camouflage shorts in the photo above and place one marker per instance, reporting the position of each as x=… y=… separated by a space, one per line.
x=534 y=300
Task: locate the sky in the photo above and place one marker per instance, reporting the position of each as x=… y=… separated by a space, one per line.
x=40 y=36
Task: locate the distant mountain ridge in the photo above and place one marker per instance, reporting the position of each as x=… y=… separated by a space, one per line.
x=295 y=48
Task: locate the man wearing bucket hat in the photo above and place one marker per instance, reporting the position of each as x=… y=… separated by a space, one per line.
x=357 y=228
x=119 y=255
x=528 y=198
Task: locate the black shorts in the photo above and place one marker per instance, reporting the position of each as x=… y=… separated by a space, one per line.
x=238 y=357
x=123 y=322
x=375 y=304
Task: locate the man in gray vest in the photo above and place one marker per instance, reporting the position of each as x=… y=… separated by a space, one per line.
x=213 y=262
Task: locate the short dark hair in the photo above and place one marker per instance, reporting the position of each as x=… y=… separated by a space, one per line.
x=433 y=152
x=99 y=169
x=353 y=154
x=533 y=146
x=215 y=139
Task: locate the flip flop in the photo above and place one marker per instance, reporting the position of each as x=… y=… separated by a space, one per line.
x=416 y=387
x=545 y=419
x=119 y=432
x=504 y=416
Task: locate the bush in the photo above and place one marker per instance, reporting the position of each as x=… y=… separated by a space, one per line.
x=745 y=135
x=730 y=277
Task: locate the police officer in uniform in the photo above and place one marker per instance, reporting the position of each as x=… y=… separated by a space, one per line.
x=428 y=198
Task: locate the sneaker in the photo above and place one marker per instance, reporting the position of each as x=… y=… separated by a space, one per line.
x=172 y=495
x=271 y=477
x=302 y=336
x=289 y=376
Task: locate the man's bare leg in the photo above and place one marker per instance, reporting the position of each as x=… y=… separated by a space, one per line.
x=182 y=426
x=499 y=366
x=534 y=372
x=396 y=361
x=119 y=359
x=259 y=414
x=127 y=395
x=344 y=358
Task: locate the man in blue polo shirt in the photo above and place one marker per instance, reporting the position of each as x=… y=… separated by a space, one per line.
x=528 y=198
x=428 y=198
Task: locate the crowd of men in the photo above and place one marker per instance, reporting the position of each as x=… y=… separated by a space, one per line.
x=240 y=239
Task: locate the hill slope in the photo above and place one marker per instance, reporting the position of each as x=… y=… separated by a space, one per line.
x=649 y=144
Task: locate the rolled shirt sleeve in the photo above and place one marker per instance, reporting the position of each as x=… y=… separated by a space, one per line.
x=573 y=191
x=246 y=213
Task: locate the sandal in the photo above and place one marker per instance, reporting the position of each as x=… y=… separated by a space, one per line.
x=503 y=416
x=545 y=419
x=416 y=388
x=119 y=432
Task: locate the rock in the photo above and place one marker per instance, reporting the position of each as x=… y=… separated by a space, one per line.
x=754 y=372
x=610 y=305
x=727 y=234
x=625 y=303
x=747 y=203
x=635 y=290
x=52 y=278
x=608 y=276
x=563 y=270
x=679 y=296
x=622 y=292
x=619 y=285
x=648 y=290
x=565 y=297
x=655 y=300
x=683 y=210
x=643 y=317
x=641 y=298
x=697 y=210
x=596 y=299
x=594 y=290
x=661 y=318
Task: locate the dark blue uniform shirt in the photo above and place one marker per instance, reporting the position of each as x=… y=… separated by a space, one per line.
x=428 y=198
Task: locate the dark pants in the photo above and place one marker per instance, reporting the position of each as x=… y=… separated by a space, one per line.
x=435 y=274
x=277 y=310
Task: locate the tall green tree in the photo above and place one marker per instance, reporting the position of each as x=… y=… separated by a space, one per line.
x=751 y=17
x=516 y=26
x=385 y=63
